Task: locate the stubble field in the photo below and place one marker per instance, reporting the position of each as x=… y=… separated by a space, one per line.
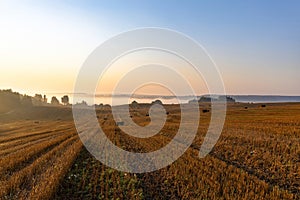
x=256 y=157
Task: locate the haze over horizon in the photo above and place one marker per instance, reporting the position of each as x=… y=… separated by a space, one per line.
x=256 y=44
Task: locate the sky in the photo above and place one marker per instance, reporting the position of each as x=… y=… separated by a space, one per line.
x=255 y=44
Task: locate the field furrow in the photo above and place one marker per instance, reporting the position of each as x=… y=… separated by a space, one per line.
x=25 y=177
x=27 y=134
x=5 y=146
x=48 y=182
x=15 y=161
x=15 y=148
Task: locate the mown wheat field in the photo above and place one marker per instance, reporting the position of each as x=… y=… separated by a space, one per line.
x=256 y=157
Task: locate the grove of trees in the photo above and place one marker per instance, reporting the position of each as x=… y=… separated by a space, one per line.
x=54 y=101
x=10 y=100
x=65 y=100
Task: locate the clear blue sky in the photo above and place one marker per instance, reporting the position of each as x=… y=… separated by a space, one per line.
x=256 y=44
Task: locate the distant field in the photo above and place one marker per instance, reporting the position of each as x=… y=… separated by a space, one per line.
x=256 y=157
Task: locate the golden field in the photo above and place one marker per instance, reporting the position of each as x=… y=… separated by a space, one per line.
x=256 y=157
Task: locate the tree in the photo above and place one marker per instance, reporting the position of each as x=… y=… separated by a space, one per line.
x=37 y=100
x=157 y=102
x=26 y=101
x=65 y=100
x=205 y=99
x=9 y=100
x=134 y=104
x=82 y=104
x=54 y=101
x=38 y=97
x=45 y=99
x=228 y=99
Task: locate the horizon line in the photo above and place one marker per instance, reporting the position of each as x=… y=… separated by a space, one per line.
x=140 y=95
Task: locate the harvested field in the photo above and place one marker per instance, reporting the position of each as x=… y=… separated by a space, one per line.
x=256 y=157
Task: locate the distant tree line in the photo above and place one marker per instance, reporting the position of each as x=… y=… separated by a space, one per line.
x=10 y=100
x=208 y=99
